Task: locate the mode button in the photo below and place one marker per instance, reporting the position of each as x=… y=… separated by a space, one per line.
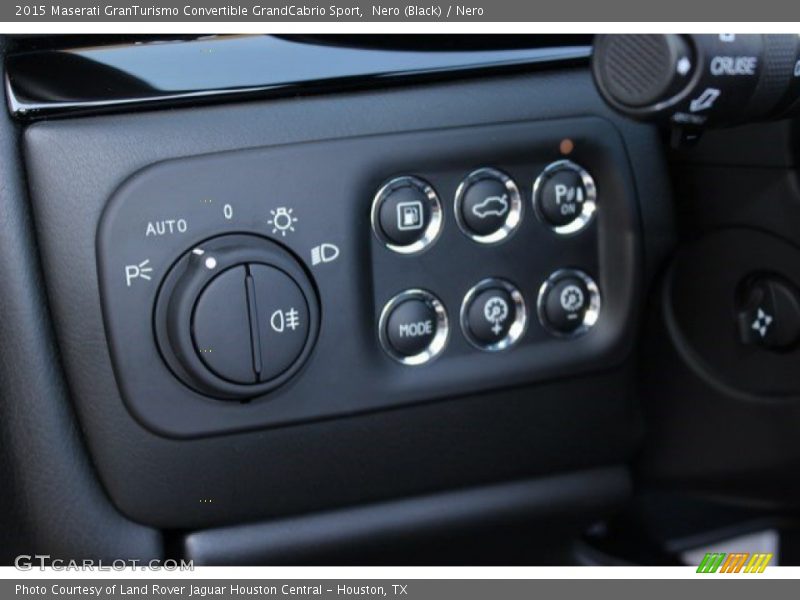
x=413 y=327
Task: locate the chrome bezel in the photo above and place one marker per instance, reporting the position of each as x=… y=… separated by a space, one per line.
x=592 y=312
x=518 y=326
x=439 y=340
x=513 y=218
x=588 y=208
x=432 y=230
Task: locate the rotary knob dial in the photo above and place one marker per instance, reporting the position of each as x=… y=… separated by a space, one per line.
x=236 y=317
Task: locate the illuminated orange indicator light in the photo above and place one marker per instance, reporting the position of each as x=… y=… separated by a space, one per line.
x=566 y=146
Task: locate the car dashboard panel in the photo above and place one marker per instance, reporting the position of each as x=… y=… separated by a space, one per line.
x=391 y=301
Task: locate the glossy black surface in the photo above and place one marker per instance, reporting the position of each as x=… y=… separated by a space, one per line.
x=92 y=78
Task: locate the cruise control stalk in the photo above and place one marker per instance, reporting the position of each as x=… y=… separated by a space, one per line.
x=693 y=82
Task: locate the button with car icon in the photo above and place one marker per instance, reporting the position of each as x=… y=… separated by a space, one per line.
x=488 y=206
x=492 y=206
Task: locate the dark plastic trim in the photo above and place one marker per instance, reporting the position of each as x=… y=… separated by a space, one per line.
x=51 y=501
x=318 y=537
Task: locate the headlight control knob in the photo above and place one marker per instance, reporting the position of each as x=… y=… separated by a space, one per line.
x=236 y=317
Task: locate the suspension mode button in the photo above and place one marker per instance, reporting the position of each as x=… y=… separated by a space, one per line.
x=569 y=303
x=493 y=315
x=413 y=327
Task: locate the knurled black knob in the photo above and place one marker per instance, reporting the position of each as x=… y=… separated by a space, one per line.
x=699 y=80
x=637 y=71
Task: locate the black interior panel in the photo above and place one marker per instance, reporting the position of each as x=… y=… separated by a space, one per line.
x=490 y=525
x=328 y=187
x=246 y=315
x=52 y=500
x=76 y=165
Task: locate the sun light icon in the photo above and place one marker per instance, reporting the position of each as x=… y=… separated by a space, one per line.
x=282 y=220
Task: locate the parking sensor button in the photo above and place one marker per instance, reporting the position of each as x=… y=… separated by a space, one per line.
x=564 y=197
